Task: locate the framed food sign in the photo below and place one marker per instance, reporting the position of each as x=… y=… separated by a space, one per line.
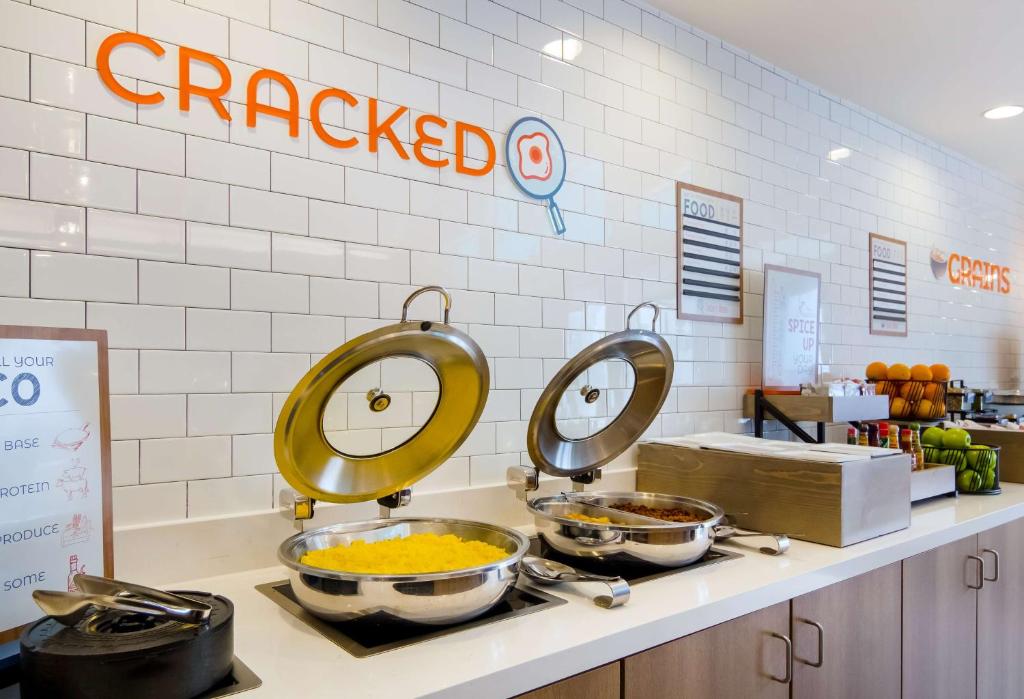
x=887 y=284
x=709 y=247
x=792 y=302
x=55 y=505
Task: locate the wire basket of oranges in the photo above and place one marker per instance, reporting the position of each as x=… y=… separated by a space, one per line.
x=917 y=391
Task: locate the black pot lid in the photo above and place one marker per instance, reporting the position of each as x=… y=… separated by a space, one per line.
x=650 y=358
x=313 y=466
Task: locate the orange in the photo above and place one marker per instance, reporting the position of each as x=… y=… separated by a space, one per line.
x=919 y=372
x=940 y=372
x=898 y=372
x=924 y=408
x=929 y=391
x=898 y=407
x=906 y=391
x=876 y=371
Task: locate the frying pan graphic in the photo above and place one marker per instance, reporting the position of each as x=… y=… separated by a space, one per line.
x=535 y=160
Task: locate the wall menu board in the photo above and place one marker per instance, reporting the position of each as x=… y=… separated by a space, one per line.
x=887 y=284
x=792 y=299
x=55 y=504
x=709 y=247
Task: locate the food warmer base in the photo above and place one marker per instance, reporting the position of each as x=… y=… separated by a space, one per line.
x=372 y=635
x=241 y=679
x=632 y=572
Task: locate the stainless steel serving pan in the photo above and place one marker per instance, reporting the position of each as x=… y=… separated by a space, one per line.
x=669 y=544
x=429 y=598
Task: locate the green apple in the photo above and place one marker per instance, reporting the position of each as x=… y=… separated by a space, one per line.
x=968 y=481
x=956 y=438
x=932 y=437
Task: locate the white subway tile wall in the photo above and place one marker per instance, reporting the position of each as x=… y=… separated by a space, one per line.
x=225 y=260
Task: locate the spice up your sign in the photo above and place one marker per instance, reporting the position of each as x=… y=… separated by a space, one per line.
x=380 y=124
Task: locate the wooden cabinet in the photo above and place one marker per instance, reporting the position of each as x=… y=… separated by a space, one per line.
x=745 y=657
x=1001 y=613
x=600 y=683
x=939 y=621
x=847 y=638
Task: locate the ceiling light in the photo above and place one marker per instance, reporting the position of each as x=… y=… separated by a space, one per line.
x=1004 y=112
x=838 y=154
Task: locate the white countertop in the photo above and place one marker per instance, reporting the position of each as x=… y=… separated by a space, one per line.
x=516 y=655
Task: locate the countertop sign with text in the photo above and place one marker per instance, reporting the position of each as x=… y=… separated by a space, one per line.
x=55 y=518
x=792 y=299
x=887 y=270
x=709 y=241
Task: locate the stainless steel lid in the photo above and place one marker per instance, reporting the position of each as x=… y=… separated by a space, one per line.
x=650 y=358
x=317 y=468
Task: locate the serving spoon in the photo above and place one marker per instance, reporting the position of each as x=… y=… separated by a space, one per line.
x=544 y=571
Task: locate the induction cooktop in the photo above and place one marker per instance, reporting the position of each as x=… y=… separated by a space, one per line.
x=376 y=634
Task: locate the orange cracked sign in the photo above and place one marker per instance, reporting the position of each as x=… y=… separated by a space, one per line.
x=380 y=126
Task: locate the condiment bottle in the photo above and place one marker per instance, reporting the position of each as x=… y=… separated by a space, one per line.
x=883 y=435
x=872 y=434
x=851 y=435
x=894 y=438
x=908 y=447
x=862 y=438
x=915 y=441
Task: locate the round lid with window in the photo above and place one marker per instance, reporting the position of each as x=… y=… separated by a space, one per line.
x=383 y=410
x=601 y=401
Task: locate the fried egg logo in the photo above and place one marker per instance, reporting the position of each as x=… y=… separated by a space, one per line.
x=535 y=160
x=534 y=156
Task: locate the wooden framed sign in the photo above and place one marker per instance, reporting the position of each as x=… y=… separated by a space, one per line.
x=792 y=302
x=55 y=502
x=887 y=286
x=709 y=255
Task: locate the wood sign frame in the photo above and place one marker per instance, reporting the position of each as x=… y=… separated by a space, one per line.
x=713 y=274
x=767 y=341
x=885 y=320
x=99 y=337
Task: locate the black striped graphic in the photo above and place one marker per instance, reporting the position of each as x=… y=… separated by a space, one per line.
x=710 y=272
x=888 y=293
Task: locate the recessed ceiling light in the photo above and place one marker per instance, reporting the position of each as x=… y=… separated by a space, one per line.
x=1004 y=112
x=838 y=154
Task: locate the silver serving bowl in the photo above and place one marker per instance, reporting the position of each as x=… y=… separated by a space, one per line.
x=669 y=544
x=429 y=598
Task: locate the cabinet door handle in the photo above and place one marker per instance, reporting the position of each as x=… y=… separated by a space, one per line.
x=995 y=560
x=821 y=644
x=788 y=677
x=981 y=572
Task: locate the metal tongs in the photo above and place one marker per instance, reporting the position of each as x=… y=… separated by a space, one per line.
x=547 y=572
x=69 y=608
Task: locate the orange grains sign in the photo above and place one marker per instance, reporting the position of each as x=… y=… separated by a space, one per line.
x=380 y=121
x=971 y=272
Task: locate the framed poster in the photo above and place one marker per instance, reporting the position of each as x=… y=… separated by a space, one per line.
x=709 y=255
x=887 y=286
x=792 y=302
x=55 y=501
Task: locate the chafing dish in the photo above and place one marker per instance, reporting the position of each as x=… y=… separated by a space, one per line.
x=319 y=470
x=434 y=598
x=627 y=539
x=669 y=544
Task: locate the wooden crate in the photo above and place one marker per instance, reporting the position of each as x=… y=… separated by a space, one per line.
x=823 y=408
x=827 y=503
x=1011 y=456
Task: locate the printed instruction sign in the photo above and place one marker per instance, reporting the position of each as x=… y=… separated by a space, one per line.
x=709 y=246
x=55 y=518
x=887 y=271
x=790 y=344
